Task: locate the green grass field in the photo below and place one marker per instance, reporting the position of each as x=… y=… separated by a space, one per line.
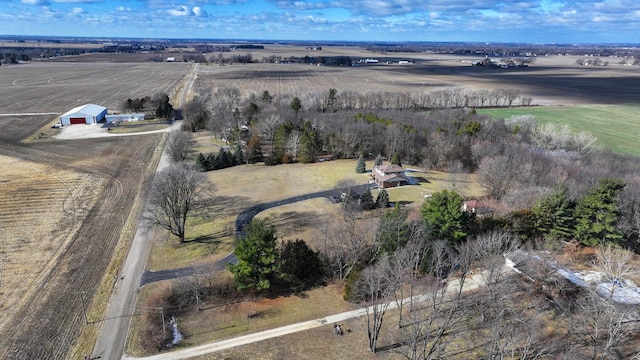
x=617 y=127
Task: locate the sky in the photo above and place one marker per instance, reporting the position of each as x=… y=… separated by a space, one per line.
x=494 y=21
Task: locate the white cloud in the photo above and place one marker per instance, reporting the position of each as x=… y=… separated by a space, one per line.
x=78 y=11
x=35 y=2
x=186 y=11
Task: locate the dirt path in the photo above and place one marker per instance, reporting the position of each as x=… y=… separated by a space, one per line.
x=452 y=288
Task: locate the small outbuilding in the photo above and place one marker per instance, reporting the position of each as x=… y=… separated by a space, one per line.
x=85 y=114
x=115 y=118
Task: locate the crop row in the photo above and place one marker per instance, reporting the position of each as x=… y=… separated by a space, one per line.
x=57 y=87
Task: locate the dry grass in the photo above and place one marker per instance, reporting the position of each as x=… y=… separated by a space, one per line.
x=217 y=322
x=41 y=208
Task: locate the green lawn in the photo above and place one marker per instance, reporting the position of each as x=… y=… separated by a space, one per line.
x=617 y=127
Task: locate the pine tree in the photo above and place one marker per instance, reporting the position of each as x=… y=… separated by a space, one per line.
x=257 y=255
x=254 y=150
x=238 y=155
x=366 y=201
x=444 y=216
x=554 y=215
x=395 y=159
x=393 y=231
x=382 y=201
x=379 y=160
x=597 y=213
x=361 y=167
x=201 y=164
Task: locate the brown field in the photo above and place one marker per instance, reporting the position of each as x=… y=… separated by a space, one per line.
x=64 y=204
x=549 y=80
x=44 y=87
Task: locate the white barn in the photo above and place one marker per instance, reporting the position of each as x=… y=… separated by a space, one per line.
x=85 y=114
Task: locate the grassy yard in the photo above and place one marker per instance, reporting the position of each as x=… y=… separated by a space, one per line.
x=616 y=126
x=208 y=238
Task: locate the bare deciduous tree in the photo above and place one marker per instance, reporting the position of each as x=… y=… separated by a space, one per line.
x=375 y=291
x=178 y=145
x=175 y=192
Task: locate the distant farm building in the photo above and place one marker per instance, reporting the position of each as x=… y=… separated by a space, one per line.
x=85 y=114
x=123 y=118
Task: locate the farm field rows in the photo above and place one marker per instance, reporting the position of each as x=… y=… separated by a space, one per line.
x=63 y=219
x=58 y=87
x=616 y=126
x=551 y=82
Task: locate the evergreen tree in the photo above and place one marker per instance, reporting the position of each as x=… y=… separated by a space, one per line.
x=382 y=201
x=366 y=201
x=210 y=162
x=395 y=159
x=238 y=156
x=393 y=231
x=444 y=216
x=299 y=264
x=266 y=97
x=554 y=215
x=597 y=213
x=361 y=166
x=257 y=255
x=378 y=161
x=254 y=150
x=309 y=144
x=201 y=163
x=296 y=105
x=224 y=159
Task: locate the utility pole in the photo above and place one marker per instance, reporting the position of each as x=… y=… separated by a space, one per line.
x=164 y=330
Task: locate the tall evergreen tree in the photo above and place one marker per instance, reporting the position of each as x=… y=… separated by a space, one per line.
x=382 y=201
x=361 y=166
x=366 y=200
x=554 y=215
x=300 y=264
x=257 y=257
x=201 y=163
x=393 y=231
x=444 y=216
x=254 y=150
x=395 y=159
x=379 y=160
x=238 y=155
x=296 y=105
x=597 y=213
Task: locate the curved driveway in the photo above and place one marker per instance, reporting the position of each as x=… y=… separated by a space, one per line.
x=243 y=219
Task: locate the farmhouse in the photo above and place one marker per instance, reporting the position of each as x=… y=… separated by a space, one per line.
x=85 y=114
x=389 y=175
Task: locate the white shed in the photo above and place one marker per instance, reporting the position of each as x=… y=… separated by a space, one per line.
x=85 y=114
x=124 y=117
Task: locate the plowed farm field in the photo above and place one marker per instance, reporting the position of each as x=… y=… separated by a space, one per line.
x=549 y=81
x=57 y=87
x=64 y=203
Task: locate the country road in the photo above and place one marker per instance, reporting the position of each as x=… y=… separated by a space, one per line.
x=112 y=339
